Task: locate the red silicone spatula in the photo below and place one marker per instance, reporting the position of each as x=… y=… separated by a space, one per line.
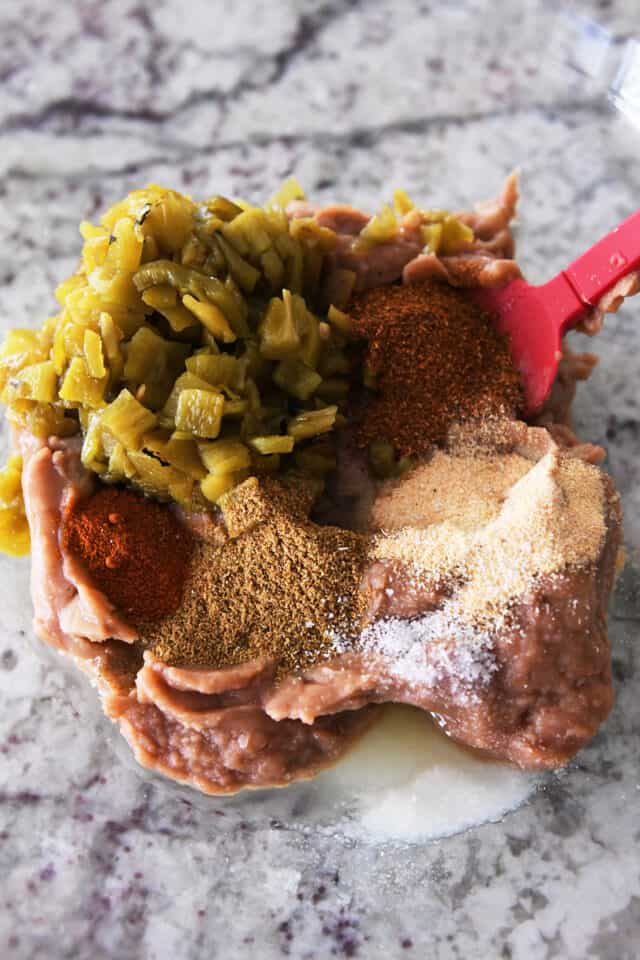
x=537 y=318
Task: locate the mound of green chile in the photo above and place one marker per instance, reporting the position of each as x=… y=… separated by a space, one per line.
x=187 y=350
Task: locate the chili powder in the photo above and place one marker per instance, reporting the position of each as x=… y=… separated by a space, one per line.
x=437 y=359
x=135 y=550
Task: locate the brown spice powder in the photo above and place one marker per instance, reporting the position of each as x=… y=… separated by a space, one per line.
x=280 y=587
x=534 y=519
x=437 y=359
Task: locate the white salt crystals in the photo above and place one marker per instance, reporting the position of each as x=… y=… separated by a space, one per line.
x=433 y=649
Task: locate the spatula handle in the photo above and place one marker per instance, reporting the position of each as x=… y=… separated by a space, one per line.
x=607 y=262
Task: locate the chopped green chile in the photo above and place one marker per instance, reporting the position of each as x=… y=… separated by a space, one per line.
x=241 y=270
x=296 y=378
x=127 y=420
x=14 y=528
x=219 y=369
x=215 y=485
x=312 y=423
x=37 y=381
x=279 y=336
x=199 y=412
x=339 y=320
x=382 y=458
x=290 y=190
x=456 y=237
x=79 y=387
x=380 y=229
x=94 y=354
x=402 y=203
x=223 y=208
x=225 y=456
x=273 y=444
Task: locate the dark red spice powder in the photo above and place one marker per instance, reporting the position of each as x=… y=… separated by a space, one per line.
x=437 y=360
x=135 y=550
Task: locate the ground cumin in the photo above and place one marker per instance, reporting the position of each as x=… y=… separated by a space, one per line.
x=437 y=360
x=278 y=587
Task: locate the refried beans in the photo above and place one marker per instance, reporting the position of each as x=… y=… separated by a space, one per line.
x=235 y=635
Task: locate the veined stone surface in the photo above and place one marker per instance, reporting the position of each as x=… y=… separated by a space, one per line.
x=441 y=98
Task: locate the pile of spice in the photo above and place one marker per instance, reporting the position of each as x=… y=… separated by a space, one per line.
x=436 y=359
x=279 y=587
x=493 y=525
x=135 y=550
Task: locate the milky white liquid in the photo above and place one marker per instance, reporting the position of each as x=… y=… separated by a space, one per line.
x=405 y=780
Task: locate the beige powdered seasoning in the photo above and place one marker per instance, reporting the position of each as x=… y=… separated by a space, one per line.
x=494 y=523
x=279 y=587
x=466 y=489
x=553 y=520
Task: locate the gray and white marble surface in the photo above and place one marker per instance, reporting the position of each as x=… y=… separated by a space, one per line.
x=443 y=98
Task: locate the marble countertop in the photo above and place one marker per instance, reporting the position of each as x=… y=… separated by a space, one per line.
x=443 y=98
